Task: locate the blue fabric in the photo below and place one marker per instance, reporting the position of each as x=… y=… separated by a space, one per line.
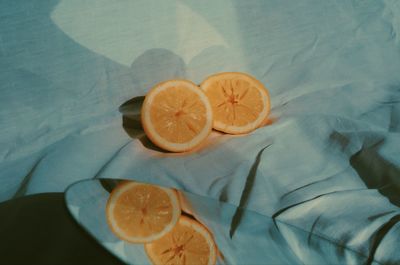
x=86 y=201
x=329 y=162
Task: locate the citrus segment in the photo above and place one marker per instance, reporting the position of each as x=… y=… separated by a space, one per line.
x=240 y=102
x=138 y=212
x=176 y=115
x=188 y=243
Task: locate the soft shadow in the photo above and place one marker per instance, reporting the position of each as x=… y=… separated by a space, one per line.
x=65 y=86
x=377 y=173
x=269 y=121
x=150 y=68
x=155 y=66
x=132 y=124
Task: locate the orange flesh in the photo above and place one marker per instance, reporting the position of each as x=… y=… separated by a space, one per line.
x=178 y=115
x=183 y=245
x=234 y=101
x=143 y=211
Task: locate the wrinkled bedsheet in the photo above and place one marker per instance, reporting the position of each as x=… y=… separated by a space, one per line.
x=327 y=167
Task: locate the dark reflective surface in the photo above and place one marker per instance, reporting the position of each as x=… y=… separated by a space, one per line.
x=38 y=229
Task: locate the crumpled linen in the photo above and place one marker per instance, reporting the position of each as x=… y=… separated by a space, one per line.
x=329 y=161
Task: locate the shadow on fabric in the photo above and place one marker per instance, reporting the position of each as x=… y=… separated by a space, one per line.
x=150 y=68
x=377 y=173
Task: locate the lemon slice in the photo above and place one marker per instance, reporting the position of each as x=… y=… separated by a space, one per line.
x=240 y=102
x=176 y=115
x=188 y=243
x=140 y=213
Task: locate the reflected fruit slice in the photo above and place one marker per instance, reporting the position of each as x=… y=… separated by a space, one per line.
x=185 y=204
x=240 y=102
x=188 y=243
x=140 y=213
x=176 y=115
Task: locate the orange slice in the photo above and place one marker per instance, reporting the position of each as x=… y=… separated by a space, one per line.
x=188 y=243
x=140 y=213
x=240 y=102
x=176 y=115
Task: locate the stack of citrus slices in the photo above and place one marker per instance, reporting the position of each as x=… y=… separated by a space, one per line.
x=144 y=213
x=178 y=115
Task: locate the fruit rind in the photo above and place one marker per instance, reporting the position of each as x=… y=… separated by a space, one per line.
x=123 y=187
x=155 y=137
x=198 y=227
x=232 y=129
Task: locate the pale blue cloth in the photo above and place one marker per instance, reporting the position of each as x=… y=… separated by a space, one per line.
x=331 y=162
x=87 y=199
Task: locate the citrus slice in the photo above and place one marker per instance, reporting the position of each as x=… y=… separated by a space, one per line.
x=240 y=102
x=140 y=213
x=176 y=115
x=188 y=243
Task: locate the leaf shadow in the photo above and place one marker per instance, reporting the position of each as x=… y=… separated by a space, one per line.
x=377 y=173
x=237 y=217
